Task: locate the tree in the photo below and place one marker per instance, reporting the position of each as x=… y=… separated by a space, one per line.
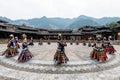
x=112 y=27
x=24 y=25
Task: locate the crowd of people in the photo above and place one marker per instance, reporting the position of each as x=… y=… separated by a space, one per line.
x=101 y=47
x=13 y=46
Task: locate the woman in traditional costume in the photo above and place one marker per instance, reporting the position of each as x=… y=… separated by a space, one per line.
x=84 y=43
x=71 y=42
x=77 y=42
x=111 y=49
x=89 y=43
x=60 y=56
x=94 y=44
x=40 y=41
x=105 y=44
x=17 y=44
x=49 y=41
x=99 y=52
x=10 y=51
x=31 y=42
x=25 y=54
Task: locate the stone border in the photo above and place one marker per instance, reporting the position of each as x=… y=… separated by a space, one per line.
x=64 y=69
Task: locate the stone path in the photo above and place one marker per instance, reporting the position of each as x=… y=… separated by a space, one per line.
x=41 y=67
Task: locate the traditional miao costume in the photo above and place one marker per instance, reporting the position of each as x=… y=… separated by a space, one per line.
x=31 y=42
x=77 y=42
x=94 y=44
x=10 y=51
x=49 y=42
x=111 y=49
x=60 y=56
x=108 y=47
x=65 y=42
x=71 y=42
x=25 y=54
x=17 y=44
x=40 y=42
x=99 y=52
x=89 y=43
x=84 y=43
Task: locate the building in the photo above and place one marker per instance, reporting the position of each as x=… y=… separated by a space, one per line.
x=104 y=31
x=90 y=32
x=87 y=32
x=117 y=32
x=7 y=29
x=83 y=33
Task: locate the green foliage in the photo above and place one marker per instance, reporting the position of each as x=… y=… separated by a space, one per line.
x=24 y=25
x=112 y=25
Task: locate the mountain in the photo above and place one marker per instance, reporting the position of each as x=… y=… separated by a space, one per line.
x=107 y=20
x=83 y=22
x=6 y=19
x=90 y=21
x=63 y=23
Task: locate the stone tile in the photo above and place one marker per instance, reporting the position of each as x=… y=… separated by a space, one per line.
x=78 y=55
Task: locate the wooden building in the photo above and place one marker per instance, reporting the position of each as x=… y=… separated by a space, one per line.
x=83 y=33
x=104 y=31
x=87 y=32
x=117 y=33
x=90 y=32
x=7 y=29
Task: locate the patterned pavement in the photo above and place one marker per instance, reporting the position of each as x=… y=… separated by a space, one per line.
x=42 y=67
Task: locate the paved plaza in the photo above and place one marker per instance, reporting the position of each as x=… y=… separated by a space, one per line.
x=42 y=67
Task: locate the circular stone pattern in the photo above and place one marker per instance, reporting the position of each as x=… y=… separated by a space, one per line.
x=42 y=61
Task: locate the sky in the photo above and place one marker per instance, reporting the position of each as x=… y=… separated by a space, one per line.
x=27 y=9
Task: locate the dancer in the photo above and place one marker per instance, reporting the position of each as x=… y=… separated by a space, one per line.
x=84 y=43
x=49 y=41
x=17 y=44
x=25 y=54
x=40 y=42
x=93 y=43
x=10 y=51
x=111 y=49
x=77 y=42
x=71 y=42
x=89 y=43
x=60 y=56
x=105 y=44
x=31 y=42
x=65 y=42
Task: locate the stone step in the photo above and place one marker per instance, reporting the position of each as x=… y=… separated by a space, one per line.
x=112 y=74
